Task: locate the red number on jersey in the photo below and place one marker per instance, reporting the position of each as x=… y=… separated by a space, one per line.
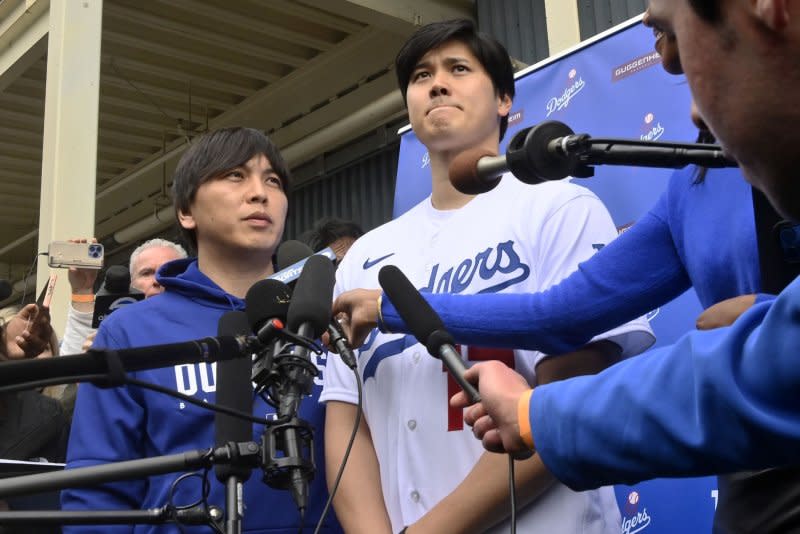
x=455 y=416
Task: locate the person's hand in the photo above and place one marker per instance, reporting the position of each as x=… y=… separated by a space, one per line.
x=724 y=313
x=28 y=333
x=88 y=342
x=82 y=280
x=357 y=313
x=494 y=419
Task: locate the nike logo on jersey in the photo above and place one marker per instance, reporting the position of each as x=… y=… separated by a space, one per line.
x=368 y=264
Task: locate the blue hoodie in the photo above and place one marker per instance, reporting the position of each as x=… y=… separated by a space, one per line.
x=128 y=422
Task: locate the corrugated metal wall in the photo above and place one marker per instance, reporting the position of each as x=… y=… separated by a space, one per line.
x=595 y=16
x=521 y=25
x=362 y=191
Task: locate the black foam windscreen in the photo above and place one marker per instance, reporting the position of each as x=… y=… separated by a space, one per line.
x=265 y=300
x=313 y=296
x=233 y=391
x=412 y=307
x=5 y=289
x=290 y=252
x=117 y=280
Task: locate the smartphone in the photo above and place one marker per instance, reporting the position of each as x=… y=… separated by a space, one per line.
x=47 y=292
x=66 y=254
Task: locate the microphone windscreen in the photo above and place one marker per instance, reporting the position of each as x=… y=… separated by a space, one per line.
x=117 y=280
x=412 y=307
x=463 y=172
x=313 y=296
x=265 y=300
x=5 y=289
x=290 y=252
x=234 y=391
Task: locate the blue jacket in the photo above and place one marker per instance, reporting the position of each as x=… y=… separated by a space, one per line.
x=717 y=401
x=129 y=422
x=675 y=246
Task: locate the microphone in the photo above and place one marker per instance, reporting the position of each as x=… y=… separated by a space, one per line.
x=308 y=316
x=292 y=256
x=425 y=324
x=233 y=391
x=293 y=253
x=266 y=304
x=115 y=292
x=115 y=362
x=5 y=289
x=551 y=151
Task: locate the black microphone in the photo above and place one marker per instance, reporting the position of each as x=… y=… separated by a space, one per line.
x=233 y=391
x=294 y=252
x=290 y=258
x=267 y=304
x=5 y=289
x=115 y=292
x=551 y=151
x=425 y=324
x=308 y=316
x=98 y=361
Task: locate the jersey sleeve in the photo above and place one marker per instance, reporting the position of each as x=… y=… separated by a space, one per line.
x=78 y=328
x=340 y=381
x=633 y=274
x=106 y=427
x=717 y=401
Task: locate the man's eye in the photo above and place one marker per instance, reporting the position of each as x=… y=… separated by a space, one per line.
x=420 y=75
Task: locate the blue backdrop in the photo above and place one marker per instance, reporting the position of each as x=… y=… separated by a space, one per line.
x=612 y=85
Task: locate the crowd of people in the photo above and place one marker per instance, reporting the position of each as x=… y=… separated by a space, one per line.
x=565 y=319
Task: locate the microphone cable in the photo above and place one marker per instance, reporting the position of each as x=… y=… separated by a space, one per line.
x=359 y=412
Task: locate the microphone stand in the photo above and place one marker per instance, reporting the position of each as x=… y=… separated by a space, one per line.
x=552 y=151
x=245 y=453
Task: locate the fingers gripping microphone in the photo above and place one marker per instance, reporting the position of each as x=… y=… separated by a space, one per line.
x=425 y=324
x=233 y=391
x=288 y=446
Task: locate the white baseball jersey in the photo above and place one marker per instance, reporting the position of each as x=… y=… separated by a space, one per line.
x=516 y=238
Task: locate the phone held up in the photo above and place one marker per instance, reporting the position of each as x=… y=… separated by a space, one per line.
x=67 y=254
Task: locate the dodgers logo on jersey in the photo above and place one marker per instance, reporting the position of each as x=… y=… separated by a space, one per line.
x=487 y=264
x=501 y=265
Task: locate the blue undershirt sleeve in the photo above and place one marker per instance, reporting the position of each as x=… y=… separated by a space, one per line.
x=635 y=273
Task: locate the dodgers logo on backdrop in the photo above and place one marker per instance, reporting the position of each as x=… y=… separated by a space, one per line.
x=651 y=128
x=575 y=85
x=426 y=160
x=633 y=519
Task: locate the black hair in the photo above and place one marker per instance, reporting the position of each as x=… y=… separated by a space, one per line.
x=703 y=136
x=491 y=54
x=706 y=9
x=214 y=153
x=329 y=229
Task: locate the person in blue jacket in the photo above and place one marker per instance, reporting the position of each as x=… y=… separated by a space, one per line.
x=230 y=191
x=716 y=401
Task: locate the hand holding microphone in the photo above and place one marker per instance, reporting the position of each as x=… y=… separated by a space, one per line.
x=425 y=325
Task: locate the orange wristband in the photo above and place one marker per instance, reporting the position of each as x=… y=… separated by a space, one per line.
x=82 y=298
x=523 y=418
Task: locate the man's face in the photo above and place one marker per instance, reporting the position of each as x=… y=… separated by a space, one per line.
x=452 y=104
x=734 y=69
x=147 y=264
x=241 y=211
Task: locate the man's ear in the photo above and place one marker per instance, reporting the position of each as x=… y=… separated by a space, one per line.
x=186 y=220
x=772 y=13
x=504 y=104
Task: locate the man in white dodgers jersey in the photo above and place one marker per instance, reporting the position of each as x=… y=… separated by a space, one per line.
x=414 y=467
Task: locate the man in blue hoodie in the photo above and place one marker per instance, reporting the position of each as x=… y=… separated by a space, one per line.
x=230 y=200
x=718 y=401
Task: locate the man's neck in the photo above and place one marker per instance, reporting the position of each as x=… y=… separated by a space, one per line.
x=235 y=273
x=443 y=195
